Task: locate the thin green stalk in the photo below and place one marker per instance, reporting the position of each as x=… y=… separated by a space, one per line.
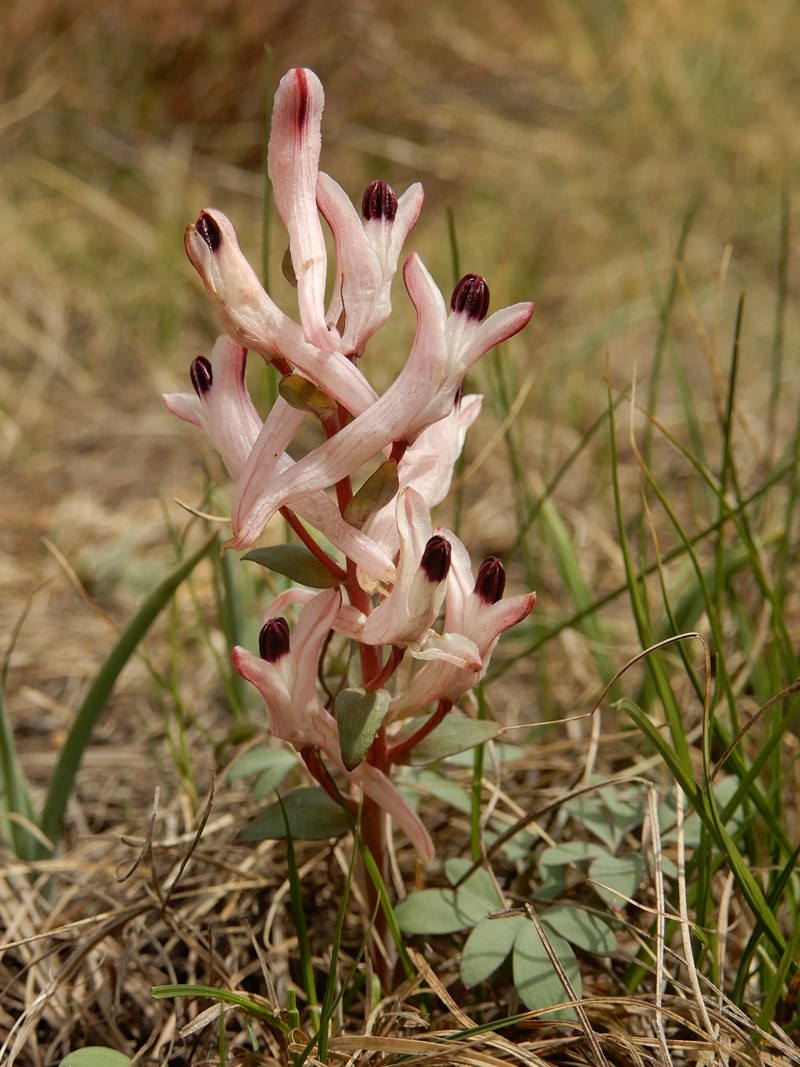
x=96 y=699
x=298 y=914
x=15 y=797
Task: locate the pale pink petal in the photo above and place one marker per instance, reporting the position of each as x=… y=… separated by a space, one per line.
x=293 y=163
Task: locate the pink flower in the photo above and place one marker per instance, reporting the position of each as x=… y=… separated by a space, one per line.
x=474 y=609
x=367 y=250
x=285 y=676
x=221 y=404
x=406 y=615
x=248 y=315
x=445 y=348
x=222 y=407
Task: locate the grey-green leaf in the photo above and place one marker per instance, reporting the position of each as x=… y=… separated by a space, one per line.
x=621 y=874
x=487 y=947
x=359 y=715
x=439 y=911
x=312 y=815
x=581 y=928
x=295 y=562
x=95 y=1056
x=455 y=734
x=535 y=978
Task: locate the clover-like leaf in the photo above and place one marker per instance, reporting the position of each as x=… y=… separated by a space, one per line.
x=535 y=978
x=581 y=928
x=359 y=715
x=446 y=911
x=621 y=874
x=487 y=947
x=455 y=734
x=95 y=1056
x=295 y=562
x=312 y=816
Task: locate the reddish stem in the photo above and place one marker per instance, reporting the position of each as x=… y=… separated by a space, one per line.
x=377 y=681
x=319 y=553
x=396 y=752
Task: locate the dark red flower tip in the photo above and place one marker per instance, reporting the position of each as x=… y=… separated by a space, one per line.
x=202 y=375
x=209 y=231
x=471 y=297
x=273 y=641
x=435 y=562
x=379 y=202
x=491 y=581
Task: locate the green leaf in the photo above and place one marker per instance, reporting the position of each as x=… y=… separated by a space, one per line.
x=571 y=852
x=620 y=873
x=580 y=928
x=534 y=977
x=295 y=562
x=487 y=947
x=375 y=493
x=445 y=911
x=95 y=1056
x=608 y=813
x=303 y=395
x=15 y=797
x=261 y=758
x=439 y=911
x=455 y=734
x=312 y=815
x=359 y=715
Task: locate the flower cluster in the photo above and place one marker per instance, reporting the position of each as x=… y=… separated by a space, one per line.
x=392 y=573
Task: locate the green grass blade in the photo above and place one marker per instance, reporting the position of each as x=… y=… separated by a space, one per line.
x=298 y=914
x=15 y=797
x=224 y=996
x=94 y=703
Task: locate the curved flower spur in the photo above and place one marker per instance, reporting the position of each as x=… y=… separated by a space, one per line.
x=391 y=573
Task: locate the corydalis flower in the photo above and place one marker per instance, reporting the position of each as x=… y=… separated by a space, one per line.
x=475 y=610
x=445 y=348
x=408 y=612
x=222 y=407
x=285 y=675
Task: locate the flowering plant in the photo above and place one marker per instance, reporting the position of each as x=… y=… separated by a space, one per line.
x=380 y=575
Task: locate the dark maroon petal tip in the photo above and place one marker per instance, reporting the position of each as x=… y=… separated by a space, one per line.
x=202 y=375
x=435 y=562
x=379 y=202
x=273 y=641
x=471 y=297
x=491 y=581
x=209 y=231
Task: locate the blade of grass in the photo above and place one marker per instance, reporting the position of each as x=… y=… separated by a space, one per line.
x=80 y=734
x=299 y=916
x=15 y=797
x=225 y=996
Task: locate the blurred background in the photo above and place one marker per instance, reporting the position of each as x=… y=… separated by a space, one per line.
x=575 y=143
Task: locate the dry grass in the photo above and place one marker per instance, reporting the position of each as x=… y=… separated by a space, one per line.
x=572 y=139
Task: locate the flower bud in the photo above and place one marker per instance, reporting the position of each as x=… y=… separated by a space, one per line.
x=273 y=641
x=491 y=581
x=379 y=202
x=435 y=562
x=471 y=297
x=209 y=231
x=202 y=375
